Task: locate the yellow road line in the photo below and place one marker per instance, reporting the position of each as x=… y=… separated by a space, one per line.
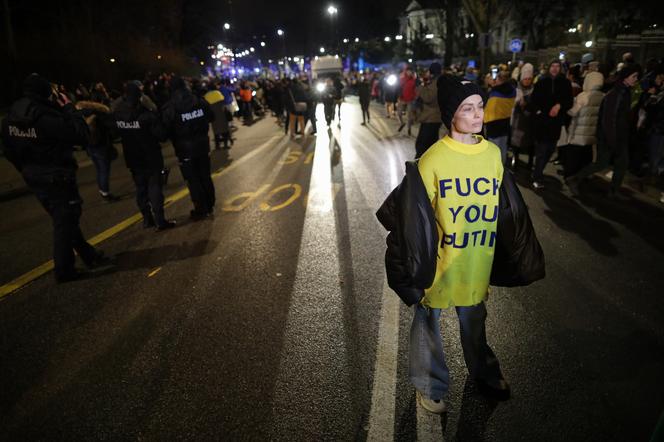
x=154 y=272
x=37 y=272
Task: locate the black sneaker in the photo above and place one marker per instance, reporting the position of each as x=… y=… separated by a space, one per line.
x=148 y=223
x=74 y=275
x=108 y=197
x=197 y=216
x=401 y=127
x=500 y=392
x=100 y=261
x=167 y=224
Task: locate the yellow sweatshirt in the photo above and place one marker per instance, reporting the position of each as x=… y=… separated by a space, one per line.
x=462 y=182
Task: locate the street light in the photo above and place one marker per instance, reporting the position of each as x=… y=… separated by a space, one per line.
x=357 y=40
x=428 y=36
x=321 y=49
x=345 y=40
x=262 y=44
x=387 y=39
x=589 y=43
x=112 y=60
x=280 y=32
x=252 y=49
x=332 y=11
x=227 y=26
x=399 y=37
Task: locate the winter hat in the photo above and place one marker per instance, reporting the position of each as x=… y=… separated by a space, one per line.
x=133 y=91
x=628 y=69
x=36 y=85
x=527 y=71
x=177 y=83
x=451 y=93
x=435 y=69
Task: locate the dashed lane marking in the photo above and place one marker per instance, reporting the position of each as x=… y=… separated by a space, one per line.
x=154 y=272
x=37 y=272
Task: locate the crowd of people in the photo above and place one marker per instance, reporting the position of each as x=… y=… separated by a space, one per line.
x=581 y=111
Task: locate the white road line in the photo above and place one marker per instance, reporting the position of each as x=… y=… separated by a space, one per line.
x=383 y=393
x=311 y=342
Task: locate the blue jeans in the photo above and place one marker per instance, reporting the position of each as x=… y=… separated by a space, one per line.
x=100 y=158
x=427 y=368
x=543 y=152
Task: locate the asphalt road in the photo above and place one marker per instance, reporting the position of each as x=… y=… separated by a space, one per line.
x=272 y=321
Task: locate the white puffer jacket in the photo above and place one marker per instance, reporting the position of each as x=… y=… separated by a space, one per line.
x=583 y=127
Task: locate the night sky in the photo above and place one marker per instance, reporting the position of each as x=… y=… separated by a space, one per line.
x=307 y=23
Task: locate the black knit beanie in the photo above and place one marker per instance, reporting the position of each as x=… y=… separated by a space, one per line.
x=177 y=83
x=36 y=85
x=628 y=70
x=451 y=93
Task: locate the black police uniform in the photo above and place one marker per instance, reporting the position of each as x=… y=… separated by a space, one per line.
x=141 y=130
x=39 y=137
x=187 y=119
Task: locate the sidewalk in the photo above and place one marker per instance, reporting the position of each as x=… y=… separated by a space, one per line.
x=11 y=181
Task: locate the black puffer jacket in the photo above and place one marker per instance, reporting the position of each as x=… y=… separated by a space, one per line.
x=518 y=258
x=186 y=118
x=412 y=244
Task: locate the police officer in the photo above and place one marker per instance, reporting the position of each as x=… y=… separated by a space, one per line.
x=187 y=119
x=141 y=130
x=39 y=134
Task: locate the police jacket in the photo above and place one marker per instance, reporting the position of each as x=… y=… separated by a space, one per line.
x=186 y=118
x=39 y=138
x=141 y=131
x=412 y=244
x=548 y=92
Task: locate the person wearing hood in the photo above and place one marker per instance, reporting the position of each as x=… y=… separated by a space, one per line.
x=551 y=99
x=613 y=129
x=498 y=112
x=522 y=127
x=141 y=131
x=187 y=118
x=39 y=135
x=581 y=134
x=429 y=118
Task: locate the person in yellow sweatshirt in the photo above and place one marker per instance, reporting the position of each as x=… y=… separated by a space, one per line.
x=462 y=173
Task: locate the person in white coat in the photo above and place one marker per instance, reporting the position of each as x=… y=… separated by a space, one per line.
x=582 y=130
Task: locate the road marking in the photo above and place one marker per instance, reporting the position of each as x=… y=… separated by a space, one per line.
x=265 y=205
x=383 y=393
x=37 y=272
x=154 y=272
x=246 y=197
